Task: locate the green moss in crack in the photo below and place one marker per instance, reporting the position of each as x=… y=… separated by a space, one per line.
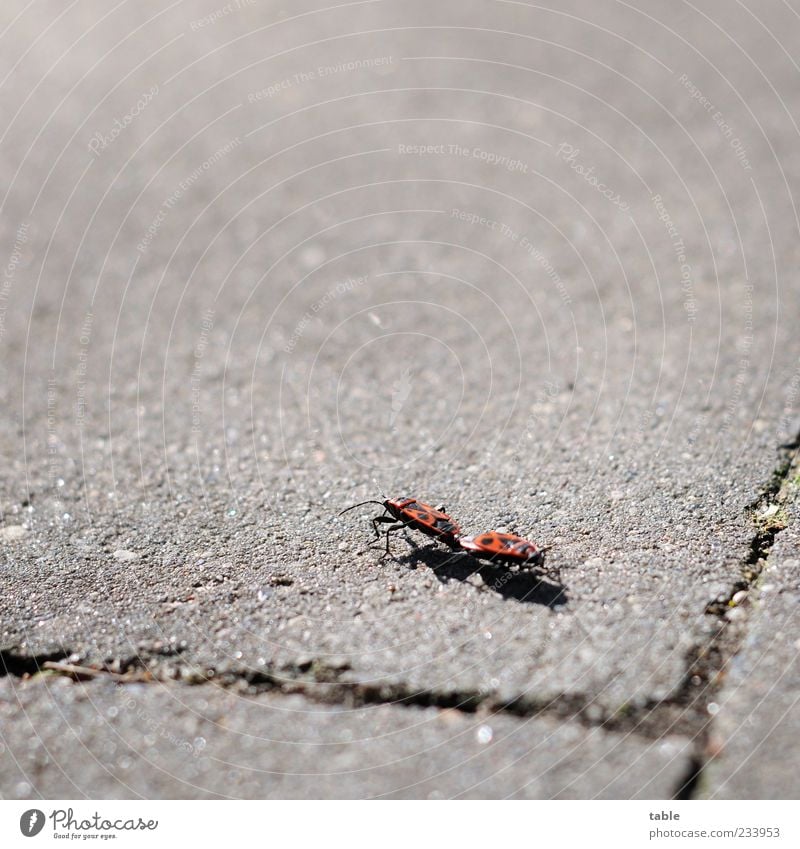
x=623 y=711
x=772 y=520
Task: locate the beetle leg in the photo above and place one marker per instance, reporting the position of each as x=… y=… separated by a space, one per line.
x=398 y=527
x=379 y=520
x=391 y=529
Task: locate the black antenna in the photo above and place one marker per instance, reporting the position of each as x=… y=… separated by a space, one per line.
x=361 y=504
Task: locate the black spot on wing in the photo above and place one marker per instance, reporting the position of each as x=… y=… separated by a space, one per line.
x=445 y=526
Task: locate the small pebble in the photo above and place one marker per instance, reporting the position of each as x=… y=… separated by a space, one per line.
x=125 y=556
x=715 y=747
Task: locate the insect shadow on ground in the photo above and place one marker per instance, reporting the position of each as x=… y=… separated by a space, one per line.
x=528 y=586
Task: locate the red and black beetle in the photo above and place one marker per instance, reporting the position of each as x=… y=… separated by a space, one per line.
x=410 y=513
x=499 y=547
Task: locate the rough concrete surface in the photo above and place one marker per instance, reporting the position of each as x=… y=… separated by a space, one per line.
x=536 y=264
x=165 y=741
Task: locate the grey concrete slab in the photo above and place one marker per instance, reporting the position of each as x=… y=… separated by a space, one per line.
x=758 y=723
x=499 y=257
x=68 y=740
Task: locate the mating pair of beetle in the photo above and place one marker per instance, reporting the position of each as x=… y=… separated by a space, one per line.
x=494 y=546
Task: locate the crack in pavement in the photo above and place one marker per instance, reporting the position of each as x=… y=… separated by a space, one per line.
x=321 y=683
x=17 y=663
x=711 y=660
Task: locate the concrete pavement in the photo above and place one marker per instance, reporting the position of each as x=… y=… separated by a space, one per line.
x=537 y=265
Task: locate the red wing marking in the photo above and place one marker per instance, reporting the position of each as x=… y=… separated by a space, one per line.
x=494 y=543
x=431 y=518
